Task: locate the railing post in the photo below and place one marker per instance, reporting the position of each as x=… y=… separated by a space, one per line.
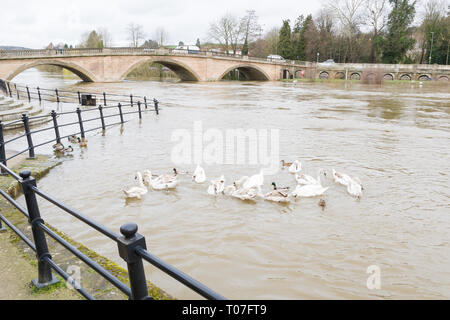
x=131 y=99
x=27 y=132
x=79 y=97
x=17 y=91
x=39 y=94
x=145 y=102
x=156 y=102
x=9 y=89
x=80 y=120
x=100 y=108
x=139 y=109
x=28 y=93
x=57 y=95
x=45 y=277
x=104 y=99
x=127 y=244
x=2 y=149
x=55 y=125
x=120 y=112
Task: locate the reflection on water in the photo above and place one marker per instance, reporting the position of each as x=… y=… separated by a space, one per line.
x=394 y=137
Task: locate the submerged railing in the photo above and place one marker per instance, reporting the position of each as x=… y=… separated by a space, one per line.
x=131 y=245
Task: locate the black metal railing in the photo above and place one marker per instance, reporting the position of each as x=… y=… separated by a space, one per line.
x=28 y=93
x=131 y=245
x=116 y=108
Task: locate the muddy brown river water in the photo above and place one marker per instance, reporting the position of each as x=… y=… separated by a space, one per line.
x=394 y=137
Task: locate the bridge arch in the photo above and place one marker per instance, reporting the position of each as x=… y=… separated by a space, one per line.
x=183 y=71
x=84 y=74
x=250 y=72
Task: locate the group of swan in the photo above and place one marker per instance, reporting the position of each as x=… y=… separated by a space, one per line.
x=162 y=182
x=250 y=188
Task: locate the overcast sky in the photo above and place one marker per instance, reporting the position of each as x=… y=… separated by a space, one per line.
x=35 y=24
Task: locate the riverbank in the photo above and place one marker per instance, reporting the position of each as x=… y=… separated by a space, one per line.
x=18 y=261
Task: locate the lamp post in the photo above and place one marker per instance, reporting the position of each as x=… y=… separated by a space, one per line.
x=431 y=49
x=318 y=57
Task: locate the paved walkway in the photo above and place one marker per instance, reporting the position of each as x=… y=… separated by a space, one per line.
x=16 y=273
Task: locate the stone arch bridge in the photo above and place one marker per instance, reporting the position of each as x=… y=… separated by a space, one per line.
x=114 y=64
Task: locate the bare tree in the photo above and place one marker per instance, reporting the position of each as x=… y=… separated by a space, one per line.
x=349 y=13
x=161 y=35
x=226 y=31
x=135 y=34
x=106 y=36
x=376 y=18
x=250 y=27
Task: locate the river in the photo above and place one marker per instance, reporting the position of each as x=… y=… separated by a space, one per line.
x=394 y=137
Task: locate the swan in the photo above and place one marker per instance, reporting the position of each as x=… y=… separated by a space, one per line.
x=256 y=180
x=199 y=175
x=310 y=190
x=341 y=178
x=306 y=179
x=228 y=190
x=354 y=188
x=162 y=182
x=295 y=167
x=136 y=191
x=217 y=186
x=247 y=194
x=277 y=195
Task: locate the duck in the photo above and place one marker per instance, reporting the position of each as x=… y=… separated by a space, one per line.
x=58 y=147
x=255 y=181
x=295 y=167
x=136 y=191
x=285 y=164
x=310 y=190
x=69 y=149
x=277 y=195
x=73 y=139
x=322 y=204
x=199 y=175
x=217 y=186
x=82 y=142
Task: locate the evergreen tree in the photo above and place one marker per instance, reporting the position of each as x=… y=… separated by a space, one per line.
x=198 y=43
x=285 y=44
x=245 y=48
x=300 y=48
x=398 y=40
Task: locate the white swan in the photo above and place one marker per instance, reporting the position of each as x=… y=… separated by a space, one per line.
x=354 y=188
x=310 y=190
x=137 y=191
x=199 y=175
x=162 y=182
x=255 y=181
x=277 y=195
x=217 y=186
x=228 y=190
x=341 y=178
x=306 y=179
x=295 y=167
x=246 y=194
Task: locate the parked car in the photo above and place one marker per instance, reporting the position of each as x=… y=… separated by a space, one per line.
x=327 y=62
x=186 y=49
x=275 y=57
